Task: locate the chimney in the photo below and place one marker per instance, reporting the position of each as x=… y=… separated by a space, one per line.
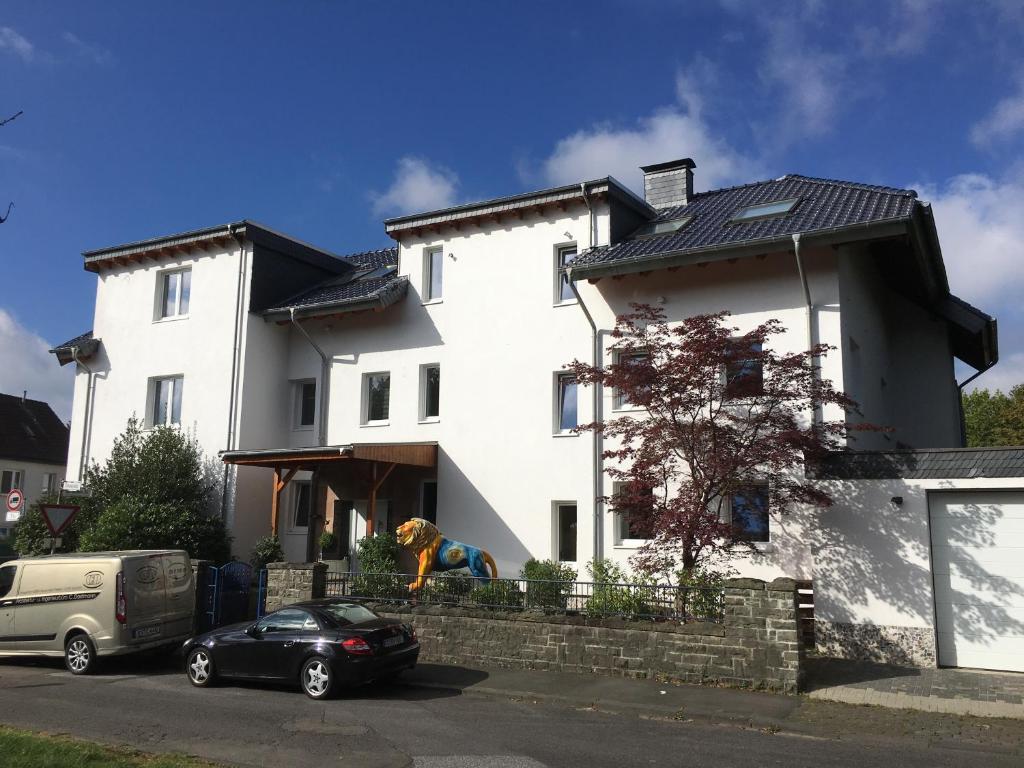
x=668 y=184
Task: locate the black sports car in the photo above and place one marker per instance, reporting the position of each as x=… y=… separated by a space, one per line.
x=320 y=644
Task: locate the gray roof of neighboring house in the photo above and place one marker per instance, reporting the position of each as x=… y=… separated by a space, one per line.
x=31 y=431
x=375 y=283
x=922 y=464
x=823 y=204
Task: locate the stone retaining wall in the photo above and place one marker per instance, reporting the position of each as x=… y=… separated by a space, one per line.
x=755 y=646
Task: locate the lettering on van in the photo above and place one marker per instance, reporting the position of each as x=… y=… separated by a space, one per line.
x=67 y=598
x=176 y=571
x=147 y=574
x=93 y=579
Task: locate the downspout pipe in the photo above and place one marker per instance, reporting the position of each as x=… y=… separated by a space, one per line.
x=90 y=388
x=235 y=364
x=325 y=376
x=808 y=312
x=595 y=339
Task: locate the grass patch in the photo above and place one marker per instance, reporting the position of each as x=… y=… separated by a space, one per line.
x=24 y=749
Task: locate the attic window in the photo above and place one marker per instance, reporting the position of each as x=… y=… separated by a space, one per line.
x=662 y=227
x=765 y=210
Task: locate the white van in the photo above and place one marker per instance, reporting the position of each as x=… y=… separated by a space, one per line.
x=84 y=605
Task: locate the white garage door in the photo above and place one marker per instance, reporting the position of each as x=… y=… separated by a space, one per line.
x=978 y=567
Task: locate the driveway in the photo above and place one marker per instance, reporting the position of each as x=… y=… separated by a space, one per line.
x=491 y=718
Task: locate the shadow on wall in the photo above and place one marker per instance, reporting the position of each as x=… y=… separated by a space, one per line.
x=465 y=515
x=873 y=565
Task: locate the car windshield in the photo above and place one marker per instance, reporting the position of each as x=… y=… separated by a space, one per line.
x=343 y=614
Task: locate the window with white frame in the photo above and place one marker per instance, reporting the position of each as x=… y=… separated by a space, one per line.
x=303 y=404
x=430 y=392
x=744 y=371
x=631 y=505
x=9 y=480
x=377 y=397
x=566 y=418
x=302 y=497
x=175 y=289
x=621 y=401
x=166 y=400
x=433 y=274
x=49 y=482
x=563 y=258
x=565 y=531
x=428 y=501
x=748 y=511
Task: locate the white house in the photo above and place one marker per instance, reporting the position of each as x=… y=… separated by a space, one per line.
x=427 y=379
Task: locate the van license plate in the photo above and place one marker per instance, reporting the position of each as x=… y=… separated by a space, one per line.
x=391 y=642
x=146 y=632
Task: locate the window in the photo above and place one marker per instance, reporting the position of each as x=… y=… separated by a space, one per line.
x=430 y=392
x=167 y=401
x=563 y=258
x=285 y=620
x=428 y=502
x=175 y=289
x=49 y=482
x=632 y=505
x=377 y=395
x=626 y=359
x=765 y=210
x=304 y=413
x=565 y=532
x=749 y=512
x=744 y=372
x=9 y=480
x=7 y=579
x=433 y=274
x=300 y=513
x=565 y=416
x=662 y=227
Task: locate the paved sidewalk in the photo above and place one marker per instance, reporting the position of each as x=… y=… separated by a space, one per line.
x=953 y=691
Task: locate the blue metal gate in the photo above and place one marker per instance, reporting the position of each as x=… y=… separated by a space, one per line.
x=226 y=595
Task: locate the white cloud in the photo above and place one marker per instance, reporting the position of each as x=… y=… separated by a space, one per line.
x=905 y=30
x=669 y=133
x=16 y=44
x=28 y=365
x=418 y=186
x=981 y=230
x=1002 y=123
x=97 y=53
x=1008 y=373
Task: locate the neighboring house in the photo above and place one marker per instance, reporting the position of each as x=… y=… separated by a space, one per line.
x=427 y=379
x=33 y=452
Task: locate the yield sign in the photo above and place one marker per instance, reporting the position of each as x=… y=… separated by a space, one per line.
x=58 y=516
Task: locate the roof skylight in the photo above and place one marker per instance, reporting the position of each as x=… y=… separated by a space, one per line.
x=662 y=227
x=765 y=210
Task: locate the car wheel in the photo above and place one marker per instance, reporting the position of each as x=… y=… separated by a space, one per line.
x=317 y=678
x=80 y=654
x=199 y=668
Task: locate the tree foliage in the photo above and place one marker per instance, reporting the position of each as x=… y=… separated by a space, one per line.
x=154 y=492
x=722 y=410
x=994 y=418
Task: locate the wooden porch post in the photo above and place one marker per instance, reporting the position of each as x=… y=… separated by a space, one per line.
x=275 y=501
x=375 y=484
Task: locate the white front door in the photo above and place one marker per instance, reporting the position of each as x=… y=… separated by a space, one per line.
x=978 y=570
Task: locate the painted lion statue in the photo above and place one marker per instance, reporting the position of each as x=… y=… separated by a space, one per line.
x=436 y=553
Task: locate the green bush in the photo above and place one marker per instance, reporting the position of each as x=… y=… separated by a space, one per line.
x=379 y=554
x=133 y=523
x=554 y=594
x=446 y=588
x=498 y=593
x=31 y=535
x=267 y=550
x=327 y=541
x=703 y=597
x=616 y=594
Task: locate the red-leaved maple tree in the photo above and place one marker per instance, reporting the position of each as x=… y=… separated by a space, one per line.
x=718 y=413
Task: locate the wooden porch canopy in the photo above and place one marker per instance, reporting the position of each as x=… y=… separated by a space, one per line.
x=382 y=458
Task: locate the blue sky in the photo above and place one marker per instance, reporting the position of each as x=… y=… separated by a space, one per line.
x=321 y=118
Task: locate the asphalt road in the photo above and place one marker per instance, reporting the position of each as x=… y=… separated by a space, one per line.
x=151 y=706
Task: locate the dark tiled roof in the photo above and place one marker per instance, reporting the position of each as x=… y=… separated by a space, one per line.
x=382 y=257
x=75 y=342
x=341 y=290
x=924 y=464
x=823 y=204
x=31 y=431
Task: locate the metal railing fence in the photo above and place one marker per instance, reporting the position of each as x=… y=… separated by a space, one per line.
x=657 y=602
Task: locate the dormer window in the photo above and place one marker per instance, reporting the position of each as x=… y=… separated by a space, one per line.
x=764 y=210
x=654 y=228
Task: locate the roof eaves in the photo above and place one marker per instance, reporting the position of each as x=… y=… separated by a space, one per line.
x=383 y=297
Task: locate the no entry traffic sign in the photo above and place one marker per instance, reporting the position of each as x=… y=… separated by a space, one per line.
x=58 y=516
x=15 y=501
